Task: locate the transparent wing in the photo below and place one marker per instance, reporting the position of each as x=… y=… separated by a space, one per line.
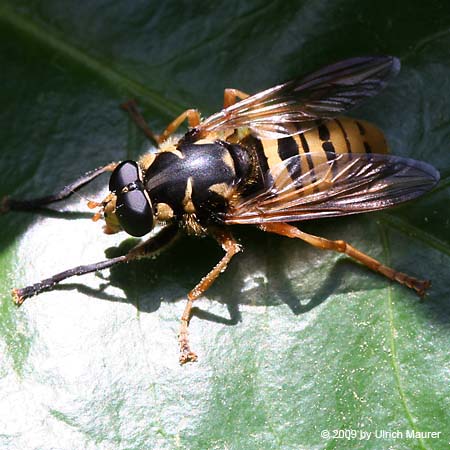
x=324 y=184
x=294 y=107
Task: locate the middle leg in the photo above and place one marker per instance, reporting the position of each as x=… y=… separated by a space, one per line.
x=231 y=247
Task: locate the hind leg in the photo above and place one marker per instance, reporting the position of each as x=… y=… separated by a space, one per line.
x=284 y=229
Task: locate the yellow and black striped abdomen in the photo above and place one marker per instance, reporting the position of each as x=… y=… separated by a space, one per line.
x=342 y=135
x=336 y=136
x=345 y=135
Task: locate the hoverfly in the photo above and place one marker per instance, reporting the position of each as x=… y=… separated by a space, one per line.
x=282 y=155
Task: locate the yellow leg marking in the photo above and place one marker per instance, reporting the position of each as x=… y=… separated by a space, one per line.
x=420 y=286
x=193 y=118
x=231 y=247
x=231 y=95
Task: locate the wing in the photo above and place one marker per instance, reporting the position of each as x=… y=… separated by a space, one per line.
x=302 y=187
x=294 y=107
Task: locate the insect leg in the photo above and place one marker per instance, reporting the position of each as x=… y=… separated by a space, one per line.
x=131 y=108
x=192 y=116
x=420 y=286
x=11 y=204
x=231 y=95
x=145 y=249
x=231 y=247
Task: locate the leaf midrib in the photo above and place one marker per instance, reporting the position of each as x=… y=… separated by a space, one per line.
x=392 y=343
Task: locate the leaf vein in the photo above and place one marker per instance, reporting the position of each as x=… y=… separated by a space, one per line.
x=52 y=39
x=392 y=344
x=415 y=232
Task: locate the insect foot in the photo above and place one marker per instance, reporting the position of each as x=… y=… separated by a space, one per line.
x=187 y=356
x=18 y=299
x=420 y=286
x=4 y=205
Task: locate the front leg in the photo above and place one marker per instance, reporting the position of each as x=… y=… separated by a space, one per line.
x=11 y=204
x=231 y=247
x=148 y=248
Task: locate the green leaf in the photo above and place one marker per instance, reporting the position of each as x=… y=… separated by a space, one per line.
x=315 y=342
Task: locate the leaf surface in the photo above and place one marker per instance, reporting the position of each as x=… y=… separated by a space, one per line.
x=315 y=342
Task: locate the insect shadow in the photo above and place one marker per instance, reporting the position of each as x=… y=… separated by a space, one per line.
x=270 y=271
x=258 y=276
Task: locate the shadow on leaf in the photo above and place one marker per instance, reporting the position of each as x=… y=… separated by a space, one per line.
x=259 y=276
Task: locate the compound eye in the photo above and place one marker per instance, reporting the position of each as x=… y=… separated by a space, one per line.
x=125 y=173
x=134 y=212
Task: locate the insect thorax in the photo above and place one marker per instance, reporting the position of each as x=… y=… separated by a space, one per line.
x=195 y=182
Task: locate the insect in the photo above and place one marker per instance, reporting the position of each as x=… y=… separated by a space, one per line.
x=283 y=155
